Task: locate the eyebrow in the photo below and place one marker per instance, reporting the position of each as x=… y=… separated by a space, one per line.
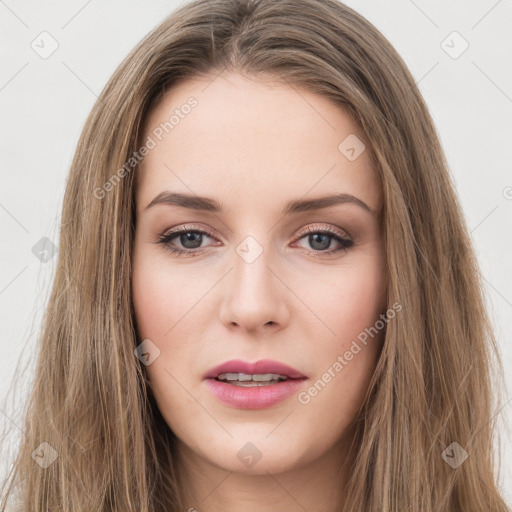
x=200 y=203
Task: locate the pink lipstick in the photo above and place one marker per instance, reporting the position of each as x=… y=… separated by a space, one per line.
x=253 y=385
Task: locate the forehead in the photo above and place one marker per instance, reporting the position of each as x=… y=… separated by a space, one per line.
x=246 y=141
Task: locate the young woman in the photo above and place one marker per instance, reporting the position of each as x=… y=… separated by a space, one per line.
x=266 y=295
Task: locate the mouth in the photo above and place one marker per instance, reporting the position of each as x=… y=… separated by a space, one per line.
x=253 y=385
x=247 y=380
x=263 y=372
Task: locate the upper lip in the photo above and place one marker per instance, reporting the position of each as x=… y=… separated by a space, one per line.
x=259 y=367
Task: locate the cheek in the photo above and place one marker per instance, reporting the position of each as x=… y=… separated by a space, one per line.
x=161 y=300
x=361 y=299
x=359 y=323
x=169 y=311
x=350 y=300
x=163 y=296
x=153 y=301
x=351 y=309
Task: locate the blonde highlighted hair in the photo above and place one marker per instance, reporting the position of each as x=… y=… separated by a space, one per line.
x=432 y=386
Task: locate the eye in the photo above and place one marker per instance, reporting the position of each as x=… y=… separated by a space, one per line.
x=189 y=237
x=320 y=238
x=191 y=240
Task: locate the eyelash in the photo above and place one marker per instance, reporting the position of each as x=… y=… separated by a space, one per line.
x=166 y=238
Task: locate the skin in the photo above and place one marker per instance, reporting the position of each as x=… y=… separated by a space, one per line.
x=253 y=145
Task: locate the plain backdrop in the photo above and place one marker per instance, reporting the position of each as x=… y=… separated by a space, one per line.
x=458 y=52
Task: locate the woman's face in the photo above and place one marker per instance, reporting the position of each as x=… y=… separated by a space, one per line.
x=275 y=275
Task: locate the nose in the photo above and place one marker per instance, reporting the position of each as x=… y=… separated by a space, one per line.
x=254 y=297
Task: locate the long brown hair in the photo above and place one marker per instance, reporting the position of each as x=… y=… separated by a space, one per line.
x=432 y=386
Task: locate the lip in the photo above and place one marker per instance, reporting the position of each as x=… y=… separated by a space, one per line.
x=259 y=367
x=256 y=397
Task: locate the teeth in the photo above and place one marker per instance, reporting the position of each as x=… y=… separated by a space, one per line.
x=252 y=384
x=244 y=377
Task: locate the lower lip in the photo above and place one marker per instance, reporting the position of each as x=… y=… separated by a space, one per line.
x=255 y=397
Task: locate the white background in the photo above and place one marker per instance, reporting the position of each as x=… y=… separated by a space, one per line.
x=44 y=103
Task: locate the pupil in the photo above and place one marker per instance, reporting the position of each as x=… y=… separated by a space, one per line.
x=314 y=238
x=190 y=236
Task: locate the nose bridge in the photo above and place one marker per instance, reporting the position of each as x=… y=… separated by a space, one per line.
x=252 y=263
x=255 y=294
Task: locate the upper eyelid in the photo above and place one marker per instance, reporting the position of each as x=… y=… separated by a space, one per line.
x=186 y=229
x=343 y=233
x=308 y=229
